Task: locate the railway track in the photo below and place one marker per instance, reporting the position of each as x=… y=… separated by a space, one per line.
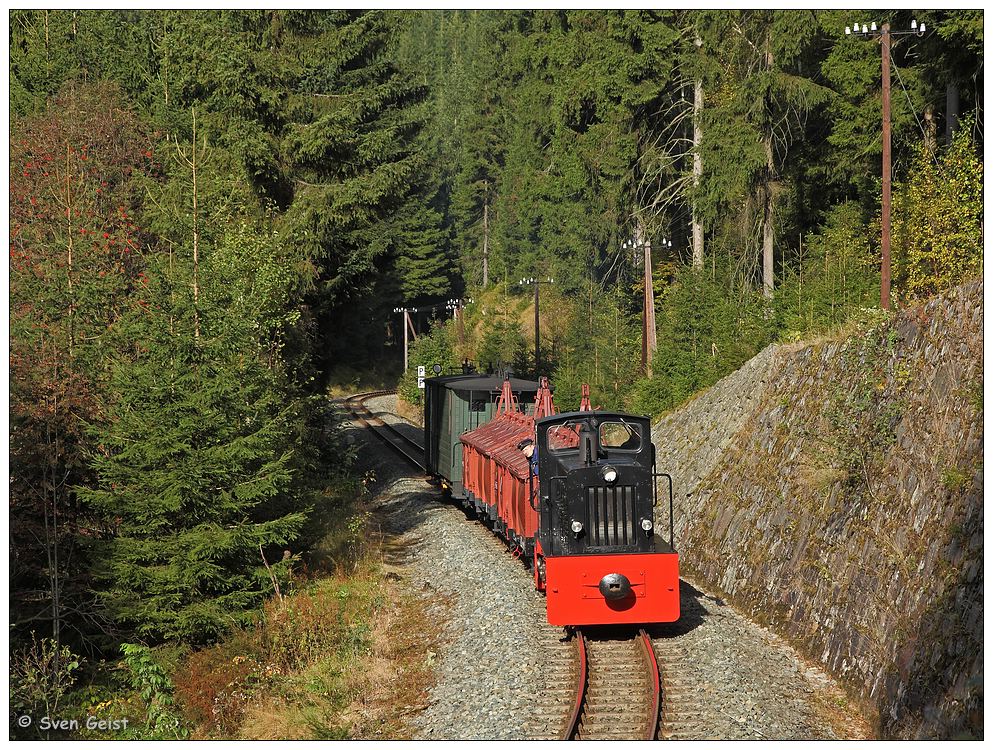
x=618 y=688
x=613 y=676
x=411 y=450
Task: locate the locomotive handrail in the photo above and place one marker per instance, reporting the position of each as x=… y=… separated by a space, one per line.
x=551 y=482
x=655 y=500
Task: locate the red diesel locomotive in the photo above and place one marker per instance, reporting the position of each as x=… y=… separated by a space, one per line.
x=586 y=522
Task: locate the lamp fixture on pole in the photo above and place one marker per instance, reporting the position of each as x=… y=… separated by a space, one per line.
x=457 y=304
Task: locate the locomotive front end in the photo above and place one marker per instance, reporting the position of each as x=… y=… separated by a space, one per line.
x=603 y=561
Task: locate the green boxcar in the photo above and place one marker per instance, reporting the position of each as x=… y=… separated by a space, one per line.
x=455 y=405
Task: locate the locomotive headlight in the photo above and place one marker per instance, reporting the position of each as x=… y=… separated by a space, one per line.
x=609 y=474
x=577 y=527
x=646 y=524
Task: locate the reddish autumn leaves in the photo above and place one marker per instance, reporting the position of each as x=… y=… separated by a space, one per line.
x=75 y=265
x=75 y=251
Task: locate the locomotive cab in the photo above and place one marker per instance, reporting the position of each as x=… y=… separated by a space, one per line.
x=602 y=558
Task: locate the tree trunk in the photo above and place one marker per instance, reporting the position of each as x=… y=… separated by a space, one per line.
x=69 y=248
x=768 y=280
x=165 y=59
x=486 y=235
x=196 y=236
x=697 y=166
x=951 y=112
x=930 y=129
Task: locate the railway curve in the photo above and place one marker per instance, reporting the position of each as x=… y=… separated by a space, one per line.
x=410 y=450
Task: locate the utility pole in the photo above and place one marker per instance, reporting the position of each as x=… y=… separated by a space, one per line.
x=406 y=324
x=885 y=37
x=649 y=338
x=456 y=306
x=648 y=341
x=537 y=331
x=537 y=320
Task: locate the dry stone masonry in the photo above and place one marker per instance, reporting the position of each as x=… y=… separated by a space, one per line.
x=835 y=491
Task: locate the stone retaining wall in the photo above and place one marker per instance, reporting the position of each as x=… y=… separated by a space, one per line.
x=835 y=491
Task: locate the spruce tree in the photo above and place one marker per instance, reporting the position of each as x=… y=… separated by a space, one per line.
x=352 y=142
x=193 y=468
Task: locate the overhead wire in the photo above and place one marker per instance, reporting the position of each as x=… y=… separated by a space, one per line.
x=906 y=93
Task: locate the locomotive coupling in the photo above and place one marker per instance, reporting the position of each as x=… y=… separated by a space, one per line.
x=615 y=586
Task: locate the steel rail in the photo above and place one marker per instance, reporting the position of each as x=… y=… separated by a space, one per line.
x=571 y=729
x=361 y=398
x=656 y=703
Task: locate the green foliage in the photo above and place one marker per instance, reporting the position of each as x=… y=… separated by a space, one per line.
x=862 y=413
x=705 y=331
x=602 y=348
x=832 y=276
x=155 y=689
x=422 y=265
x=294 y=631
x=360 y=201
x=938 y=219
x=195 y=467
x=434 y=348
x=503 y=345
x=954 y=479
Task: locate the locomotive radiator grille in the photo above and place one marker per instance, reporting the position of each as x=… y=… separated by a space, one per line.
x=610 y=512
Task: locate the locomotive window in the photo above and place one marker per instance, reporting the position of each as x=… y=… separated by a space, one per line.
x=477 y=405
x=619 y=435
x=563 y=437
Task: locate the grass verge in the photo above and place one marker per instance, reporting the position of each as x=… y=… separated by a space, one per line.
x=343 y=656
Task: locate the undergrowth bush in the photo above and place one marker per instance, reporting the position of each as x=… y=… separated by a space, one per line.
x=434 y=348
x=156 y=692
x=41 y=676
x=301 y=628
x=938 y=219
x=301 y=649
x=214 y=684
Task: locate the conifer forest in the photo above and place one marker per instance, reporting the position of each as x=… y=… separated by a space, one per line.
x=215 y=216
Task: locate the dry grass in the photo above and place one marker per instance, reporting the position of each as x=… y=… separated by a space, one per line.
x=276 y=719
x=363 y=696
x=342 y=657
x=849 y=718
x=410 y=412
x=396 y=676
